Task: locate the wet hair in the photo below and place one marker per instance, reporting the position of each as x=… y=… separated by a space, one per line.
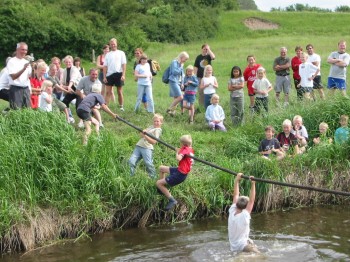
x=236 y=68
x=46 y=84
x=287 y=122
x=242 y=202
x=158 y=116
x=186 y=140
x=214 y=96
x=270 y=128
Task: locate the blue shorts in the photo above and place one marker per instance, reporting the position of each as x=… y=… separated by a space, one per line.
x=190 y=98
x=175 y=177
x=336 y=83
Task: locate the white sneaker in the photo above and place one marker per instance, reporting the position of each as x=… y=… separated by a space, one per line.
x=101 y=125
x=122 y=109
x=81 y=124
x=71 y=120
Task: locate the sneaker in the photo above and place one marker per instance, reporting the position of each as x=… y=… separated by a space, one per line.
x=170 y=205
x=122 y=109
x=81 y=124
x=101 y=125
x=71 y=120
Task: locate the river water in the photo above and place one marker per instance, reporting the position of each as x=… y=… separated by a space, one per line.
x=303 y=234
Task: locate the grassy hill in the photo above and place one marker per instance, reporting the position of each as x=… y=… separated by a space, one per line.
x=51 y=186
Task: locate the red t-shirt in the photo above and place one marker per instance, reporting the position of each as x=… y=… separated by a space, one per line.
x=295 y=67
x=250 y=75
x=185 y=164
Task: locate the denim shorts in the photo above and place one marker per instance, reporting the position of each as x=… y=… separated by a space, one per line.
x=190 y=98
x=175 y=177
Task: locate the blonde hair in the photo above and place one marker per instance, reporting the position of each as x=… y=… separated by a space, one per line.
x=324 y=125
x=158 y=116
x=68 y=57
x=186 y=140
x=96 y=88
x=181 y=55
x=344 y=118
x=214 y=96
x=190 y=67
x=46 y=84
x=206 y=69
x=287 y=122
x=41 y=65
x=261 y=69
x=113 y=40
x=297 y=117
x=305 y=55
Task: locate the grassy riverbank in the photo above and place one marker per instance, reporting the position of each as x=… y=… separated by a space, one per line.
x=52 y=187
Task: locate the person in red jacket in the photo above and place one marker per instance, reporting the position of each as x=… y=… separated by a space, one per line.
x=249 y=75
x=295 y=67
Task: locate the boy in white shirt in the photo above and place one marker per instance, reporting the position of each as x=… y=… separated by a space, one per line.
x=239 y=219
x=307 y=72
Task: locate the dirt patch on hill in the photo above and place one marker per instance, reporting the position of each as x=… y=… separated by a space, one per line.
x=255 y=23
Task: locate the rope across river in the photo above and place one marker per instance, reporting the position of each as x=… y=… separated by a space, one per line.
x=323 y=190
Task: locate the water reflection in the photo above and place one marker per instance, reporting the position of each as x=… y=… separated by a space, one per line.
x=306 y=234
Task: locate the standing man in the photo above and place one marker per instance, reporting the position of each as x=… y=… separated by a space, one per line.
x=19 y=70
x=201 y=61
x=114 y=69
x=85 y=87
x=315 y=59
x=281 y=67
x=339 y=60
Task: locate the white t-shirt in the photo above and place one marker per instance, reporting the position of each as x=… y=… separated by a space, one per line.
x=14 y=65
x=4 y=79
x=44 y=105
x=114 y=61
x=238 y=228
x=261 y=85
x=315 y=58
x=306 y=70
x=144 y=70
x=210 y=89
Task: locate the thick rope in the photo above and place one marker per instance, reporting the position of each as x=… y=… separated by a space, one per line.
x=323 y=190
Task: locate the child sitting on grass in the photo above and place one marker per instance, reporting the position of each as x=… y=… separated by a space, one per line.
x=215 y=115
x=341 y=135
x=322 y=136
x=286 y=138
x=270 y=145
x=177 y=174
x=92 y=100
x=300 y=133
x=144 y=147
x=239 y=219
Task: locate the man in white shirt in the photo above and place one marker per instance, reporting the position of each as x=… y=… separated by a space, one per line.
x=114 y=69
x=239 y=219
x=315 y=59
x=19 y=70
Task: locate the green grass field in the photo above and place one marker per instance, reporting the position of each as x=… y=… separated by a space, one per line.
x=51 y=186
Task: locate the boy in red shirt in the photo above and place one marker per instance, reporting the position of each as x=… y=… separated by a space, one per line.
x=177 y=174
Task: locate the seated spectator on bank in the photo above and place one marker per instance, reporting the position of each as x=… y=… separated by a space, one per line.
x=270 y=145
x=341 y=135
x=322 y=138
x=215 y=115
x=300 y=132
x=287 y=140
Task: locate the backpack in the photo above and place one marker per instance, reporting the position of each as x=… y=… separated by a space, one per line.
x=166 y=75
x=154 y=65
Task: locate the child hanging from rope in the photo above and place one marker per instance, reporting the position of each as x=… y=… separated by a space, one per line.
x=177 y=174
x=239 y=219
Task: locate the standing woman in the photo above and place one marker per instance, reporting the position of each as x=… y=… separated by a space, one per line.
x=176 y=78
x=99 y=64
x=138 y=53
x=250 y=76
x=77 y=64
